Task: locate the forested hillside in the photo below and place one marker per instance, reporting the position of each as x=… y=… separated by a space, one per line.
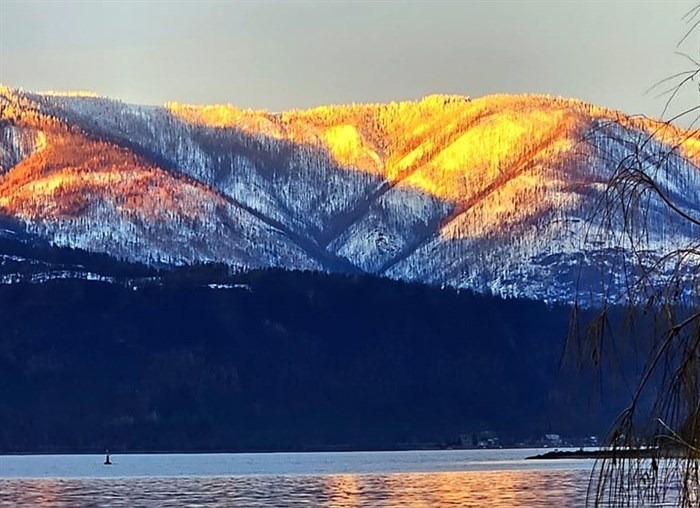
x=278 y=360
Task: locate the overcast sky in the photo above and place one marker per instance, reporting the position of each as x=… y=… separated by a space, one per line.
x=282 y=55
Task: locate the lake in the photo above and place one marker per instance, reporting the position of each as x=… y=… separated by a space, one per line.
x=498 y=478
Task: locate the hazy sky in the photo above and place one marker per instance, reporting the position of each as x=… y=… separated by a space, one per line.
x=282 y=55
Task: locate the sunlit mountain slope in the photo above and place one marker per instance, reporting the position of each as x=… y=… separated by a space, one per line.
x=497 y=194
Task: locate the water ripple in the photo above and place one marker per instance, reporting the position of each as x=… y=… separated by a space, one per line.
x=441 y=489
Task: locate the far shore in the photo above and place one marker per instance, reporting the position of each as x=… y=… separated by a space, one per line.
x=637 y=453
x=115 y=452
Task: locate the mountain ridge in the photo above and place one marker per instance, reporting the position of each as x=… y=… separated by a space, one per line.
x=475 y=193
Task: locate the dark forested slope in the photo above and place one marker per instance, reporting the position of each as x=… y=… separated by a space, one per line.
x=276 y=360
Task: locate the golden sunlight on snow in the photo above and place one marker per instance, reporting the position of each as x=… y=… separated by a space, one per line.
x=226 y=116
x=348 y=149
x=498 y=146
x=495 y=159
x=72 y=173
x=448 y=146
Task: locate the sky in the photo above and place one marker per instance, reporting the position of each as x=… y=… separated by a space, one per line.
x=296 y=54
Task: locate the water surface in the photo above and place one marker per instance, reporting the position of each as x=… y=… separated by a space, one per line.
x=498 y=478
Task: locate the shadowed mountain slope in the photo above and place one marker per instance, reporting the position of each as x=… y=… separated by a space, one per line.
x=280 y=360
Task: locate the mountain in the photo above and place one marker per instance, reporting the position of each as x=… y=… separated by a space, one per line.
x=499 y=194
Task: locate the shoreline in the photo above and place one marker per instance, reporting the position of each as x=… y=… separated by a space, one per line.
x=267 y=452
x=643 y=453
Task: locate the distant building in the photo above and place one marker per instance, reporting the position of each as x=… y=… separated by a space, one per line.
x=552 y=439
x=591 y=441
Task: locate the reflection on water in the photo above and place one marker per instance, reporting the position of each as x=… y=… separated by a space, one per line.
x=476 y=489
x=496 y=488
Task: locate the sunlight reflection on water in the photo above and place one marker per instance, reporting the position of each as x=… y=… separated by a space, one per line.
x=476 y=489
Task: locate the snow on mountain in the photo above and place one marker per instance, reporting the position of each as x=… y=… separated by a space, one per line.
x=500 y=194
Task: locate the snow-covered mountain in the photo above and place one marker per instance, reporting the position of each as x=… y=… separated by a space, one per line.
x=499 y=194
